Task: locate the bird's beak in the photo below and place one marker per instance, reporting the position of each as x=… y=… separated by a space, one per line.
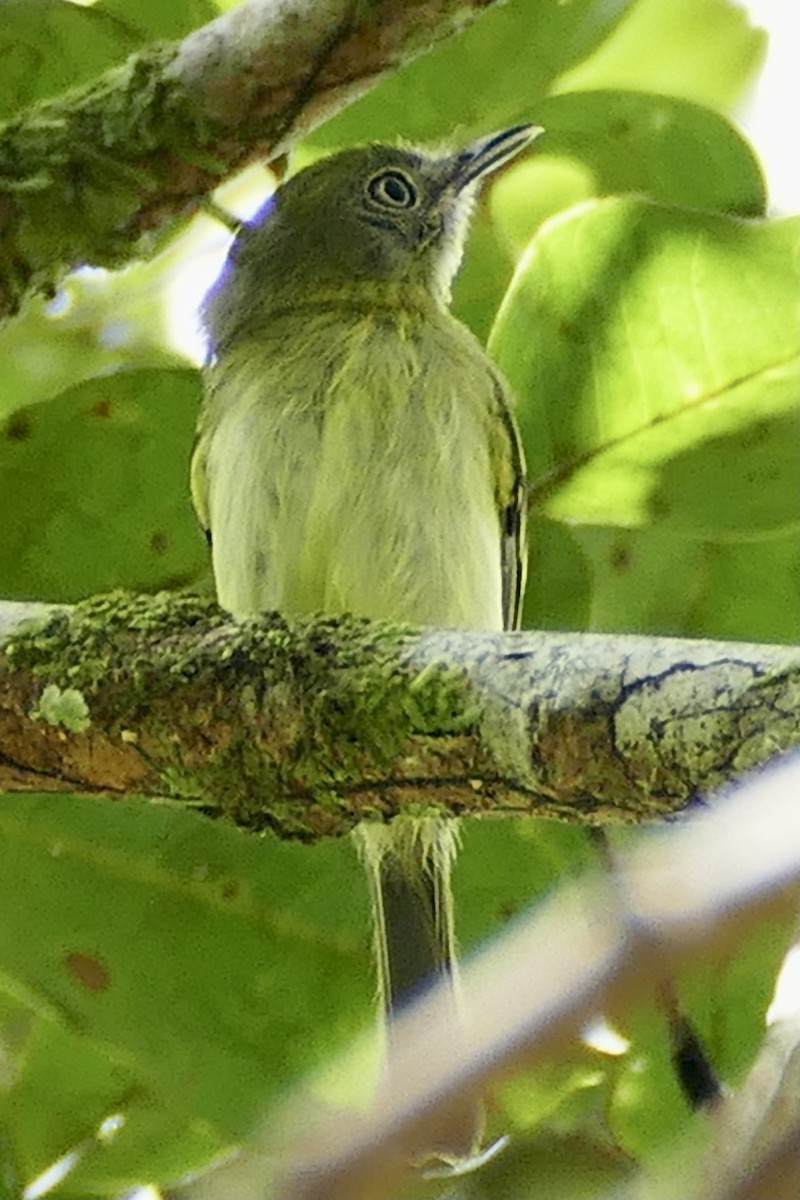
x=486 y=155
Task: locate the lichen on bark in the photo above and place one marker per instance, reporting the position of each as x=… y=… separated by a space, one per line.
x=274 y=718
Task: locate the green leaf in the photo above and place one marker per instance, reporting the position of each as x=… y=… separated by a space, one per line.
x=51 y=45
x=99 y=322
x=62 y=1089
x=485 y=273
x=559 y=593
x=654 y=581
x=153 y=1142
x=492 y=74
x=598 y=143
x=155 y=19
x=726 y=1000
x=664 y=147
x=654 y=355
x=703 y=50
x=506 y=864
x=211 y=967
x=554 y=1166
x=93 y=485
x=734 y=602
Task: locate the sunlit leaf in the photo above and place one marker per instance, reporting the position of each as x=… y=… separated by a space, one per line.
x=703 y=50
x=663 y=147
x=99 y=322
x=595 y=144
x=82 y=1086
x=654 y=354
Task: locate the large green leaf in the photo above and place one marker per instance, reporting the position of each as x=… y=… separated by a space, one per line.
x=654 y=354
x=559 y=592
x=98 y=323
x=70 y=1096
x=505 y=864
x=663 y=147
x=703 y=50
x=501 y=68
x=599 y=143
x=47 y=46
x=485 y=273
x=94 y=488
x=50 y=45
x=61 y=1089
x=751 y=589
x=210 y=967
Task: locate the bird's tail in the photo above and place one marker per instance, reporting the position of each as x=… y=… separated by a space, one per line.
x=408 y=864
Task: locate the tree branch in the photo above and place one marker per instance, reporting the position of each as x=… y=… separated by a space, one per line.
x=145 y=140
x=309 y=728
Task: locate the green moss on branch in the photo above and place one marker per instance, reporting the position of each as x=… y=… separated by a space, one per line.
x=255 y=720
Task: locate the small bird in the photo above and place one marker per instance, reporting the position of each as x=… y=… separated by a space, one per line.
x=357 y=453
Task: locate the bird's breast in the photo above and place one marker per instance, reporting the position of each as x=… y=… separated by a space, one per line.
x=354 y=475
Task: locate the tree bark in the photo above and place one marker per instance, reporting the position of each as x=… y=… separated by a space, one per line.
x=84 y=175
x=308 y=728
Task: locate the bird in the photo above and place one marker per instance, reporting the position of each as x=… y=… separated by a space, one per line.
x=357 y=452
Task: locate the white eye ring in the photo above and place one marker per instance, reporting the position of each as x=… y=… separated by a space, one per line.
x=393 y=189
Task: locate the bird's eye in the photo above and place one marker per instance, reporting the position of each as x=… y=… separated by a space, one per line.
x=392 y=189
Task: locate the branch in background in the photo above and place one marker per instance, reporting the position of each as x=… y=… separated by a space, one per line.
x=84 y=175
x=308 y=728
x=599 y=945
x=755 y=1133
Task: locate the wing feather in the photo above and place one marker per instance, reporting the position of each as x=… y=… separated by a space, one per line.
x=511 y=487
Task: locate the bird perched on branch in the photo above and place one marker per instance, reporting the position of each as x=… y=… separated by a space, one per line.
x=357 y=453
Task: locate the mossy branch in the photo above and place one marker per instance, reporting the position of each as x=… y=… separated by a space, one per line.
x=307 y=728
x=84 y=175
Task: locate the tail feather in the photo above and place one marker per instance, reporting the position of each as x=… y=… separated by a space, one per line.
x=408 y=865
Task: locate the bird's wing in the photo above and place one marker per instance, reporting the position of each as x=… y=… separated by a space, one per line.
x=199 y=482
x=511 y=491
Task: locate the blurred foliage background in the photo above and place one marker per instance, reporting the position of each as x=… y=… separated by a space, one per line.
x=629 y=282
